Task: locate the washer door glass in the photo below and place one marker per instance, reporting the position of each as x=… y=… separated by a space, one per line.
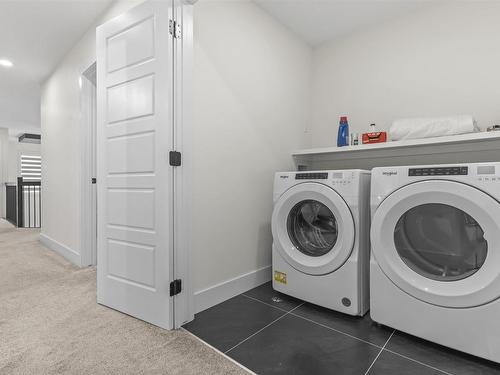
x=312 y=228
x=440 y=242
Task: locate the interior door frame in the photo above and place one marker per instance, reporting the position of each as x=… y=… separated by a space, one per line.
x=183 y=142
x=88 y=162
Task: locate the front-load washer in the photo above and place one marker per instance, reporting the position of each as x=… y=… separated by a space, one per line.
x=320 y=228
x=435 y=265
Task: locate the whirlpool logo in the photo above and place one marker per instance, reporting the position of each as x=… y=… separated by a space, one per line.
x=284 y=176
x=389 y=173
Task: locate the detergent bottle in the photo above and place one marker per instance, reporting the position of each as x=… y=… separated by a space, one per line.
x=343 y=135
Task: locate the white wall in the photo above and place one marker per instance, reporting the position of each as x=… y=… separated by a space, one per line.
x=19 y=101
x=4 y=157
x=441 y=60
x=61 y=149
x=251 y=109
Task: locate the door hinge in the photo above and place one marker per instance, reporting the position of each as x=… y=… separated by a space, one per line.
x=175 y=287
x=175 y=29
x=94 y=180
x=175 y=158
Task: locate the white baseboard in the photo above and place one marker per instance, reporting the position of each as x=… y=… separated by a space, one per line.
x=216 y=294
x=61 y=249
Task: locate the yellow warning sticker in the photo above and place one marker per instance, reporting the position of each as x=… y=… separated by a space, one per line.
x=280 y=277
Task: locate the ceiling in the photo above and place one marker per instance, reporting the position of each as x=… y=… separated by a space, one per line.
x=35 y=35
x=317 y=21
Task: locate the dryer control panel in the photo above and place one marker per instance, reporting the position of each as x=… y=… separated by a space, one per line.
x=487 y=173
x=439 y=171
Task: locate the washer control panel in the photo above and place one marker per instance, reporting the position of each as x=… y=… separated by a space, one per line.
x=341 y=178
x=312 y=176
x=335 y=178
x=439 y=171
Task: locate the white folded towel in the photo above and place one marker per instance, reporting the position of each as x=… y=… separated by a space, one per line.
x=412 y=128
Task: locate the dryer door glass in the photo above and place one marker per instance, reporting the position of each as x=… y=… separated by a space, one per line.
x=440 y=242
x=312 y=228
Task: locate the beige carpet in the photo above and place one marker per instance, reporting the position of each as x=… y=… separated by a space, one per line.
x=50 y=322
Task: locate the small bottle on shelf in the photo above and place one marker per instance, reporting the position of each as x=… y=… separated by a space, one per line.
x=354 y=139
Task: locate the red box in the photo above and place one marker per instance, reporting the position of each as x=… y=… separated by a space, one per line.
x=376 y=137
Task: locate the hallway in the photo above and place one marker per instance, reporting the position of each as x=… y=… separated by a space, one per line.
x=50 y=322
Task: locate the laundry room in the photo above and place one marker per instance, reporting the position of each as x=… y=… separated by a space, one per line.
x=301 y=187
x=405 y=94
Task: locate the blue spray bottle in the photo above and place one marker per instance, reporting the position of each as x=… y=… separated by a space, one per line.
x=343 y=135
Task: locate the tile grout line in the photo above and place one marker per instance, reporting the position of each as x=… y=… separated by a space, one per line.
x=263 y=328
x=347 y=334
x=314 y=322
x=380 y=352
x=336 y=330
x=416 y=361
x=265 y=303
x=219 y=352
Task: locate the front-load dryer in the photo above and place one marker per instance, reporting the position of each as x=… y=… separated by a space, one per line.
x=435 y=265
x=320 y=227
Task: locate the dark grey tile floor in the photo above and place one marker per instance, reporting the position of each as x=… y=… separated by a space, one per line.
x=270 y=333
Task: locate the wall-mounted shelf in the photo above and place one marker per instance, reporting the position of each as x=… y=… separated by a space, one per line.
x=473 y=147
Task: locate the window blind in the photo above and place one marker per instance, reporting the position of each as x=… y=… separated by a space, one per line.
x=31 y=167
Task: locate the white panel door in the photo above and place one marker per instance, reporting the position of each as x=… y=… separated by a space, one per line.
x=135 y=180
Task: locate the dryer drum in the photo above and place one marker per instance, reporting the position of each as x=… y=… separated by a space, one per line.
x=440 y=242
